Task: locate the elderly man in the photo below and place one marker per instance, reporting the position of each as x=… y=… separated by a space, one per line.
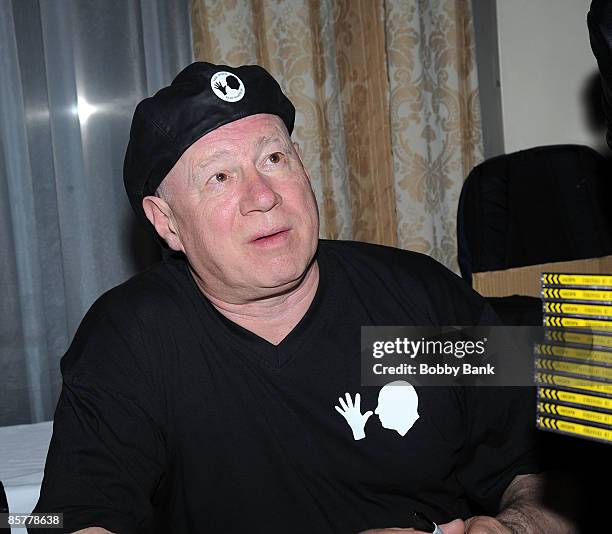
x=199 y=396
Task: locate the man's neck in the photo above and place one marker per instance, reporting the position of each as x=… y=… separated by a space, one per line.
x=273 y=317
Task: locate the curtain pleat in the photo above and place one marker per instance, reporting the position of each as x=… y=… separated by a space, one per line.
x=364 y=90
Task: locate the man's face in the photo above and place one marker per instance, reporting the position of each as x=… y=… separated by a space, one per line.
x=243 y=209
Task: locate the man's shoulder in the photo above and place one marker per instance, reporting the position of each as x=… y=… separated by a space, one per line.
x=152 y=289
x=410 y=277
x=130 y=318
x=382 y=257
x=154 y=299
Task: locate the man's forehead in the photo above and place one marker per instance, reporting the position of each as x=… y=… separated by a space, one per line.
x=253 y=131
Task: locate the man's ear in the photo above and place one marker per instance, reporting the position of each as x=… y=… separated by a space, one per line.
x=161 y=217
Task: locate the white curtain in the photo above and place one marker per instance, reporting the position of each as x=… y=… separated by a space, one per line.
x=71 y=74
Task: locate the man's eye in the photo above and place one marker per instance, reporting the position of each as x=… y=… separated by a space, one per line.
x=219 y=178
x=276 y=157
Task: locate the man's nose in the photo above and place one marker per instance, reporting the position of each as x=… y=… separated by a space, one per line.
x=258 y=193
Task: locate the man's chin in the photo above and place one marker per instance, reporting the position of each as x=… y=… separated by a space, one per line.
x=280 y=278
x=278 y=284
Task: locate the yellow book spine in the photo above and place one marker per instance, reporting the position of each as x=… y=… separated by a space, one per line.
x=567 y=308
x=577 y=338
x=597 y=295
x=589 y=280
x=577 y=322
x=588 y=355
x=580 y=369
x=576 y=429
x=572 y=397
x=570 y=382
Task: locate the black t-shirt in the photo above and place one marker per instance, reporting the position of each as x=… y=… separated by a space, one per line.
x=174 y=419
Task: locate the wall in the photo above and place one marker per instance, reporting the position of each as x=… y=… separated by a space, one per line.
x=547 y=73
x=489 y=86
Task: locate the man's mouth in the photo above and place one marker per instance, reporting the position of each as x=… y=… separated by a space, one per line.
x=270 y=238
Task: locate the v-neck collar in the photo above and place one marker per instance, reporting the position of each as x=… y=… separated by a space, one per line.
x=296 y=341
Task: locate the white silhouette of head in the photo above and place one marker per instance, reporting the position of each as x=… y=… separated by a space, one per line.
x=397 y=406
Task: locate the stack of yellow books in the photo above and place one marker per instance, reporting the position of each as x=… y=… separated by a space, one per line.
x=573 y=366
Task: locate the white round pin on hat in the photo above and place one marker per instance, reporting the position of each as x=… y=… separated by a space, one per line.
x=227 y=86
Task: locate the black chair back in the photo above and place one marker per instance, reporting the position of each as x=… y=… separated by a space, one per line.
x=535 y=206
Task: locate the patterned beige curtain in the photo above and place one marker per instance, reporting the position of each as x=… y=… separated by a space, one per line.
x=387 y=105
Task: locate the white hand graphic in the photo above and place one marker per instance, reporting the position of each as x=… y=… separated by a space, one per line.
x=352 y=413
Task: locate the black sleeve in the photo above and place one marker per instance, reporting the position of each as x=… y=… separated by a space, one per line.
x=501 y=442
x=107 y=453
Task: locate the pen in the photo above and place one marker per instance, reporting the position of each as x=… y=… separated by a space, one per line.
x=421 y=522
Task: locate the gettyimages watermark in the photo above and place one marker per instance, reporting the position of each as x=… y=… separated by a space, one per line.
x=449 y=355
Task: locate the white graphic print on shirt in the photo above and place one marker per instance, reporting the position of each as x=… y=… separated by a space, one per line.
x=397 y=409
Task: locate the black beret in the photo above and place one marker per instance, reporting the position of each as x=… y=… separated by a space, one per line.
x=200 y=99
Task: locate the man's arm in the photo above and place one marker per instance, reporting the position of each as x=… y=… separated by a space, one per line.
x=522 y=511
x=108 y=450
